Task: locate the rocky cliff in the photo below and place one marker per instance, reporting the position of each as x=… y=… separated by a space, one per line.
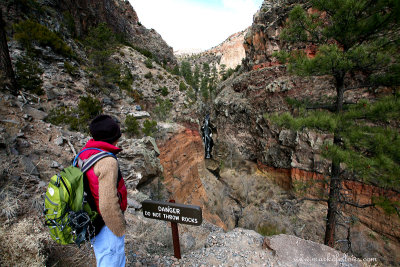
x=262 y=38
x=285 y=156
x=80 y=16
x=231 y=51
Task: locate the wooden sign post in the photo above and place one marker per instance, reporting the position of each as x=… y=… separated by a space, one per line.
x=175 y=213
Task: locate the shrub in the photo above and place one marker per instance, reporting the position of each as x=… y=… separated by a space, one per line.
x=136 y=95
x=126 y=81
x=191 y=96
x=149 y=127
x=77 y=118
x=69 y=23
x=132 y=126
x=164 y=91
x=182 y=86
x=71 y=69
x=143 y=51
x=101 y=38
x=163 y=108
x=149 y=63
x=28 y=75
x=29 y=32
x=148 y=75
x=89 y=107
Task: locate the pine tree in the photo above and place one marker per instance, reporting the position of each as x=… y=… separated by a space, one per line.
x=204 y=85
x=213 y=80
x=196 y=77
x=186 y=72
x=349 y=36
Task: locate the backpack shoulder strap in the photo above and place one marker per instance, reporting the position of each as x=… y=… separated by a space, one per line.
x=93 y=159
x=85 y=165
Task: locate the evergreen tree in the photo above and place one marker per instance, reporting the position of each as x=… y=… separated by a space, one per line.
x=186 y=72
x=205 y=81
x=196 y=78
x=222 y=70
x=175 y=70
x=349 y=36
x=213 y=80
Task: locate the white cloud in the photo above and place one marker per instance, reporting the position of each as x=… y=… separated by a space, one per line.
x=187 y=24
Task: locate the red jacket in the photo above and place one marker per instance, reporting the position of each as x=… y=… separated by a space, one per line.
x=93 y=180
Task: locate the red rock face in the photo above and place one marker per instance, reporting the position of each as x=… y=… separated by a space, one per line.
x=263 y=37
x=373 y=217
x=182 y=156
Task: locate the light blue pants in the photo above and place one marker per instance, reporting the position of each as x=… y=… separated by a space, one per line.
x=109 y=249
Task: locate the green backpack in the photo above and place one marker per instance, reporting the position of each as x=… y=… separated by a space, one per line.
x=67 y=214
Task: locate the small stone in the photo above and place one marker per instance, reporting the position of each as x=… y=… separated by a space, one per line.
x=30 y=167
x=54 y=164
x=59 y=141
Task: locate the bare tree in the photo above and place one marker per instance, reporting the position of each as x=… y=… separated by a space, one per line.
x=6 y=70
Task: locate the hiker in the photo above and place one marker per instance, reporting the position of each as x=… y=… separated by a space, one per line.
x=106 y=192
x=206 y=132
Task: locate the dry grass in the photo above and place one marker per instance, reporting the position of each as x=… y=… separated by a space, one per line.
x=9 y=202
x=70 y=255
x=22 y=244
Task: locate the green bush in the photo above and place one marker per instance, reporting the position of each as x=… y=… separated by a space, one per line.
x=77 y=118
x=143 y=51
x=69 y=23
x=126 y=80
x=148 y=75
x=71 y=69
x=182 y=86
x=29 y=32
x=149 y=63
x=149 y=127
x=28 y=75
x=163 y=108
x=101 y=38
x=89 y=107
x=164 y=91
x=132 y=126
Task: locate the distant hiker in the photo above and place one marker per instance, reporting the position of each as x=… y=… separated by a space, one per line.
x=206 y=132
x=106 y=192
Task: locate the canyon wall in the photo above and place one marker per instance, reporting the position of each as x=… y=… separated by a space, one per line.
x=289 y=156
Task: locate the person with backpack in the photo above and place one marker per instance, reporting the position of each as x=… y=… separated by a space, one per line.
x=106 y=192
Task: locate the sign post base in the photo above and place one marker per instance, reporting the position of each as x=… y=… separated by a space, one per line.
x=175 y=237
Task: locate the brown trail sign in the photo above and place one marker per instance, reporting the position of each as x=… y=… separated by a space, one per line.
x=175 y=213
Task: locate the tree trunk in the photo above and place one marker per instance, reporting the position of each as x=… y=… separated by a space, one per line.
x=339 y=83
x=6 y=71
x=335 y=181
x=333 y=200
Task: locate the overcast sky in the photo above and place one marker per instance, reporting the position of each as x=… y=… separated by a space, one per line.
x=196 y=24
